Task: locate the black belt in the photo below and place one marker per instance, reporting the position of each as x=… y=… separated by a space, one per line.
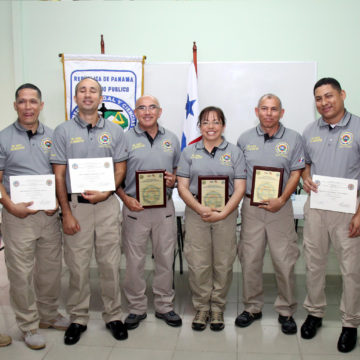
x=248 y=196
x=80 y=199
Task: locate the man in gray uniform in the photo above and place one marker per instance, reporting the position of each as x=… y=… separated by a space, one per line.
x=149 y=147
x=332 y=146
x=32 y=238
x=90 y=219
x=270 y=144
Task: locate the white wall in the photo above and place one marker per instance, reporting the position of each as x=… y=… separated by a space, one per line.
x=7 y=80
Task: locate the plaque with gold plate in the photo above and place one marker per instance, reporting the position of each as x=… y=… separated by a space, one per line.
x=151 y=188
x=213 y=191
x=267 y=183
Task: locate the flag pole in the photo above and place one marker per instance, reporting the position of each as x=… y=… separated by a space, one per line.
x=195 y=56
x=102 y=44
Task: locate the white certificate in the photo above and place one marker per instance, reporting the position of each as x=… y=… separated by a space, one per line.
x=334 y=194
x=37 y=188
x=91 y=174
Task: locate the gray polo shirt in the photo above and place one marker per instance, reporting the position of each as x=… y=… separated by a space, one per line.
x=283 y=150
x=76 y=139
x=224 y=160
x=21 y=154
x=334 y=152
x=163 y=153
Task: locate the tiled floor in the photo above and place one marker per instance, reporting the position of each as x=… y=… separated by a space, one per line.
x=155 y=340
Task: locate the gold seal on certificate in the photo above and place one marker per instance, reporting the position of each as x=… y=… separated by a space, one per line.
x=150 y=188
x=266 y=184
x=213 y=191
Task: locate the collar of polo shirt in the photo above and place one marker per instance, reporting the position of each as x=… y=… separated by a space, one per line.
x=200 y=145
x=40 y=130
x=343 y=122
x=100 y=124
x=139 y=131
x=278 y=135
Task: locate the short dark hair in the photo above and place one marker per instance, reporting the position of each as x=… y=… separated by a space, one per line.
x=328 y=81
x=205 y=113
x=91 y=78
x=27 y=86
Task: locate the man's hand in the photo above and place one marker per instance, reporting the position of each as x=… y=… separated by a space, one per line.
x=70 y=224
x=132 y=204
x=204 y=211
x=170 y=179
x=272 y=205
x=95 y=196
x=21 y=210
x=354 y=227
x=309 y=185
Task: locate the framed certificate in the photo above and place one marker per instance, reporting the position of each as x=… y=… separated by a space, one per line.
x=213 y=191
x=267 y=183
x=150 y=188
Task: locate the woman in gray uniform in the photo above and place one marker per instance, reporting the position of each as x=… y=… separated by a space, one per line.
x=210 y=240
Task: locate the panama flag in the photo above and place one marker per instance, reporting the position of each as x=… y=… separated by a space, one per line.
x=191 y=133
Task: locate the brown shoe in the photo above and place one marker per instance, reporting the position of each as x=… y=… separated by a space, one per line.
x=200 y=320
x=217 y=321
x=5 y=340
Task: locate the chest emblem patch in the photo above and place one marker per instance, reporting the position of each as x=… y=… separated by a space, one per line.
x=282 y=148
x=46 y=144
x=226 y=159
x=166 y=145
x=105 y=139
x=346 y=138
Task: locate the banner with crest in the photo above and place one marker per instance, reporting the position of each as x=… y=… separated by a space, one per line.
x=121 y=79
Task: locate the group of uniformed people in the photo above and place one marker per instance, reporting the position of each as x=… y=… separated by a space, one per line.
x=33 y=243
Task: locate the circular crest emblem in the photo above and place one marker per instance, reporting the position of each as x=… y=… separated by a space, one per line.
x=46 y=144
x=16 y=183
x=75 y=166
x=282 y=148
x=346 y=138
x=105 y=139
x=166 y=144
x=225 y=159
x=351 y=187
x=49 y=182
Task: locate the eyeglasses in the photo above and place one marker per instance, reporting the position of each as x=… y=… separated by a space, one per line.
x=150 y=108
x=207 y=123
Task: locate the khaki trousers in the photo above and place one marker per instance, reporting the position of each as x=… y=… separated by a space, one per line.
x=33 y=254
x=99 y=229
x=261 y=227
x=210 y=251
x=322 y=228
x=158 y=224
